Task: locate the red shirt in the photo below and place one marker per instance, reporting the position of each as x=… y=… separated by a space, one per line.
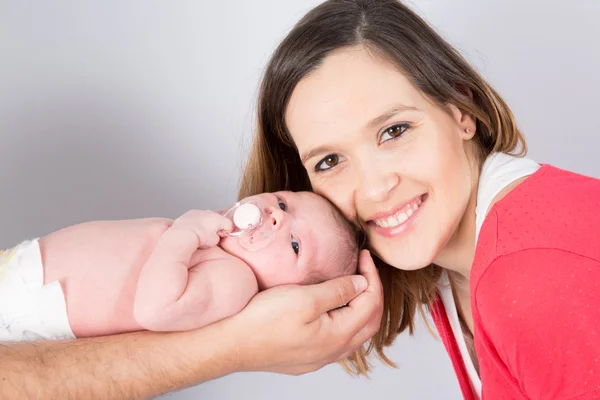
x=535 y=292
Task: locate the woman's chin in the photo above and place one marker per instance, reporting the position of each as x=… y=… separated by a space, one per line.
x=403 y=261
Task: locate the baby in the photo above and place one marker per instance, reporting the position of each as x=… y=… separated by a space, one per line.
x=108 y=277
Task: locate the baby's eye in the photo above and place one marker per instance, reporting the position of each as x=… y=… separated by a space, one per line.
x=295 y=246
x=281 y=204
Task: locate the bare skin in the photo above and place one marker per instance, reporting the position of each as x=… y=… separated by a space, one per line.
x=162 y=275
x=311 y=333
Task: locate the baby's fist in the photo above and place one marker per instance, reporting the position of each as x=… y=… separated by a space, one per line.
x=209 y=226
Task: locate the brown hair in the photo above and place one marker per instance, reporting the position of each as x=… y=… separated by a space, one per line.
x=351 y=239
x=392 y=30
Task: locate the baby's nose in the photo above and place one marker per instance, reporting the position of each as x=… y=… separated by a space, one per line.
x=278 y=217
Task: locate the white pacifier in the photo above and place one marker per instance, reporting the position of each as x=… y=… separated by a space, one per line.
x=246 y=216
x=252 y=224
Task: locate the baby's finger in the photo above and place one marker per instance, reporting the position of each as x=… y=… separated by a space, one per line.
x=221 y=225
x=226 y=225
x=207 y=239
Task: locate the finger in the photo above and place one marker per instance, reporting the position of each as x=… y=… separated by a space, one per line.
x=367 y=268
x=219 y=224
x=334 y=293
x=207 y=240
x=216 y=222
x=299 y=369
x=224 y=232
x=354 y=318
x=361 y=339
x=347 y=354
x=225 y=227
x=369 y=330
x=367 y=306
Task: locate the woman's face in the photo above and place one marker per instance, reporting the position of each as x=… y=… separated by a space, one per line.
x=386 y=155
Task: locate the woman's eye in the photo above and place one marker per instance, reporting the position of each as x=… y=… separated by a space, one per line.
x=328 y=162
x=295 y=246
x=281 y=205
x=393 y=132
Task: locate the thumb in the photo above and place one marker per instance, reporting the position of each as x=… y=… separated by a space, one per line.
x=335 y=293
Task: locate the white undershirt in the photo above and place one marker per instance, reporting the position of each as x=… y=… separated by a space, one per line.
x=450 y=307
x=498 y=171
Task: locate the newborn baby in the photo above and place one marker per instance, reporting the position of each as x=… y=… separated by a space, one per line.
x=108 y=277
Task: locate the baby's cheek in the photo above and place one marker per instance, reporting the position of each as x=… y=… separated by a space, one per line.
x=263 y=265
x=261 y=261
x=229 y=245
x=278 y=268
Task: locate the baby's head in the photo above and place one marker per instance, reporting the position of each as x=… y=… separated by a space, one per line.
x=311 y=241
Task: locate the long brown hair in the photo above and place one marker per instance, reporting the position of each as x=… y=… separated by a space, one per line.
x=394 y=31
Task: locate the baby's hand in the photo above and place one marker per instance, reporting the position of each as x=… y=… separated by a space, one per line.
x=209 y=226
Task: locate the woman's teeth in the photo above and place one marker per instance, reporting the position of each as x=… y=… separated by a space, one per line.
x=401 y=216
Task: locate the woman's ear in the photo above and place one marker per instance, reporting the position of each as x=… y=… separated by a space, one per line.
x=465 y=121
x=465 y=90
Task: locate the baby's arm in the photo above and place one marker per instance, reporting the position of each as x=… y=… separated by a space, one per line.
x=173 y=293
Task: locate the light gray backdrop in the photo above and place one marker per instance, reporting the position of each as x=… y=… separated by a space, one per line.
x=122 y=109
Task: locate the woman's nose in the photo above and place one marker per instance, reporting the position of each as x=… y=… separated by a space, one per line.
x=377 y=185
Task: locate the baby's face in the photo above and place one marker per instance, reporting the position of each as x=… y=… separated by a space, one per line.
x=305 y=233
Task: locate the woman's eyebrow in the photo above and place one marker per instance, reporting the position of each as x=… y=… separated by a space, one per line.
x=315 y=152
x=389 y=114
x=397 y=109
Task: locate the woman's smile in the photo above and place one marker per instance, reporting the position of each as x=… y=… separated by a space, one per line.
x=398 y=220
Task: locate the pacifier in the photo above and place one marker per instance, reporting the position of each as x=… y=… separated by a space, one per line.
x=251 y=224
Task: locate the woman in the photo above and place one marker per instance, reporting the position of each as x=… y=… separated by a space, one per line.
x=366 y=105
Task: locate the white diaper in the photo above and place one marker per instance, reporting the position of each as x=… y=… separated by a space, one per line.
x=30 y=310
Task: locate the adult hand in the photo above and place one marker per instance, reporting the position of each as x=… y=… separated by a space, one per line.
x=300 y=329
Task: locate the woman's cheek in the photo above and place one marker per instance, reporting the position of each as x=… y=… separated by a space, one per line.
x=342 y=199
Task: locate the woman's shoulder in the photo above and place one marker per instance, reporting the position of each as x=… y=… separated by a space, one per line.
x=548 y=189
x=552 y=209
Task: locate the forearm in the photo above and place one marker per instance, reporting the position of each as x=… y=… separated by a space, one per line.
x=164 y=276
x=132 y=366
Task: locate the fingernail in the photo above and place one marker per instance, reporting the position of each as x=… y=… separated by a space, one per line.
x=360 y=283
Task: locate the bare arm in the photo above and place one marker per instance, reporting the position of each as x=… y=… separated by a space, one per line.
x=286 y=330
x=166 y=291
x=132 y=366
x=216 y=289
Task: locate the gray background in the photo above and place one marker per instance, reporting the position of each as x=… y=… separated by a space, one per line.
x=123 y=109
